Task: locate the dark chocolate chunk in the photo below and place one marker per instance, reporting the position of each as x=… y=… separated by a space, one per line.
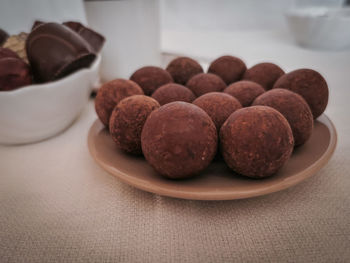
x=55 y=51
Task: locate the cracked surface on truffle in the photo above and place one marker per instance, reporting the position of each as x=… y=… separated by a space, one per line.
x=173 y=92
x=245 y=91
x=219 y=106
x=205 y=82
x=110 y=93
x=151 y=78
x=183 y=68
x=179 y=140
x=310 y=85
x=266 y=74
x=256 y=141
x=229 y=68
x=127 y=121
x=294 y=108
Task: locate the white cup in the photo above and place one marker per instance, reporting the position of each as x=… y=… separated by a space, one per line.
x=131 y=28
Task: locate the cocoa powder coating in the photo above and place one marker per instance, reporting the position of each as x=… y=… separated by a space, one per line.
x=219 y=106
x=127 y=121
x=179 y=140
x=294 y=108
x=256 y=141
x=205 y=82
x=151 y=78
x=110 y=93
x=266 y=74
x=310 y=85
x=183 y=68
x=229 y=68
x=173 y=92
x=245 y=91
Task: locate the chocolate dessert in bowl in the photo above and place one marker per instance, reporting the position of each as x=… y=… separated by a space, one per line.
x=40 y=98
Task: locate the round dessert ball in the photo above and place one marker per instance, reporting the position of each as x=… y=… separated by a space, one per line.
x=151 y=78
x=127 y=120
x=229 y=68
x=310 y=85
x=204 y=83
x=256 y=141
x=245 y=91
x=183 y=68
x=173 y=92
x=179 y=140
x=218 y=106
x=265 y=74
x=294 y=108
x=109 y=95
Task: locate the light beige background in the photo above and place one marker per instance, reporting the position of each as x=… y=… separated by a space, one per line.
x=57 y=205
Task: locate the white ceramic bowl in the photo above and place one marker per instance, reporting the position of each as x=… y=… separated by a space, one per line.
x=320 y=27
x=37 y=112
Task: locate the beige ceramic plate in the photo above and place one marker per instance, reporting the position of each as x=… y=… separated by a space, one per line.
x=217 y=182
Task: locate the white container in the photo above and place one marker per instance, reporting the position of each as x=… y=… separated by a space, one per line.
x=37 y=112
x=320 y=27
x=131 y=28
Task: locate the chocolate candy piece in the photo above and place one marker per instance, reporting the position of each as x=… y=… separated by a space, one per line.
x=294 y=108
x=219 y=106
x=17 y=44
x=256 y=141
x=183 y=68
x=205 y=82
x=3 y=36
x=245 y=91
x=7 y=53
x=55 y=51
x=173 y=92
x=151 y=78
x=229 y=68
x=36 y=24
x=109 y=95
x=179 y=140
x=14 y=73
x=265 y=74
x=310 y=85
x=94 y=39
x=127 y=121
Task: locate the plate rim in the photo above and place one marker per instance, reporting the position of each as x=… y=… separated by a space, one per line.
x=145 y=185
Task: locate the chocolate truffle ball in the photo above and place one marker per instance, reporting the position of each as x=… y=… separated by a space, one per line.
x=256 y=141
x=183 y=68
x=127 y=120
x=14 y=73
x=229 y=68
x=265 y=74
x=219 y=106
x=310 y=85
x=294 y=108
x=151 y=78
x=109 y=95
x=245 y=91
x=204 y=83
x=179 y=140
x=173 y=92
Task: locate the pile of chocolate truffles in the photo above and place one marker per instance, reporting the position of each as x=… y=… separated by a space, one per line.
x=180 y=118
x=49 y=52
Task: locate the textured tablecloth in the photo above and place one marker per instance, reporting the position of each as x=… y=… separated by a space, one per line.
x=58 y=205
